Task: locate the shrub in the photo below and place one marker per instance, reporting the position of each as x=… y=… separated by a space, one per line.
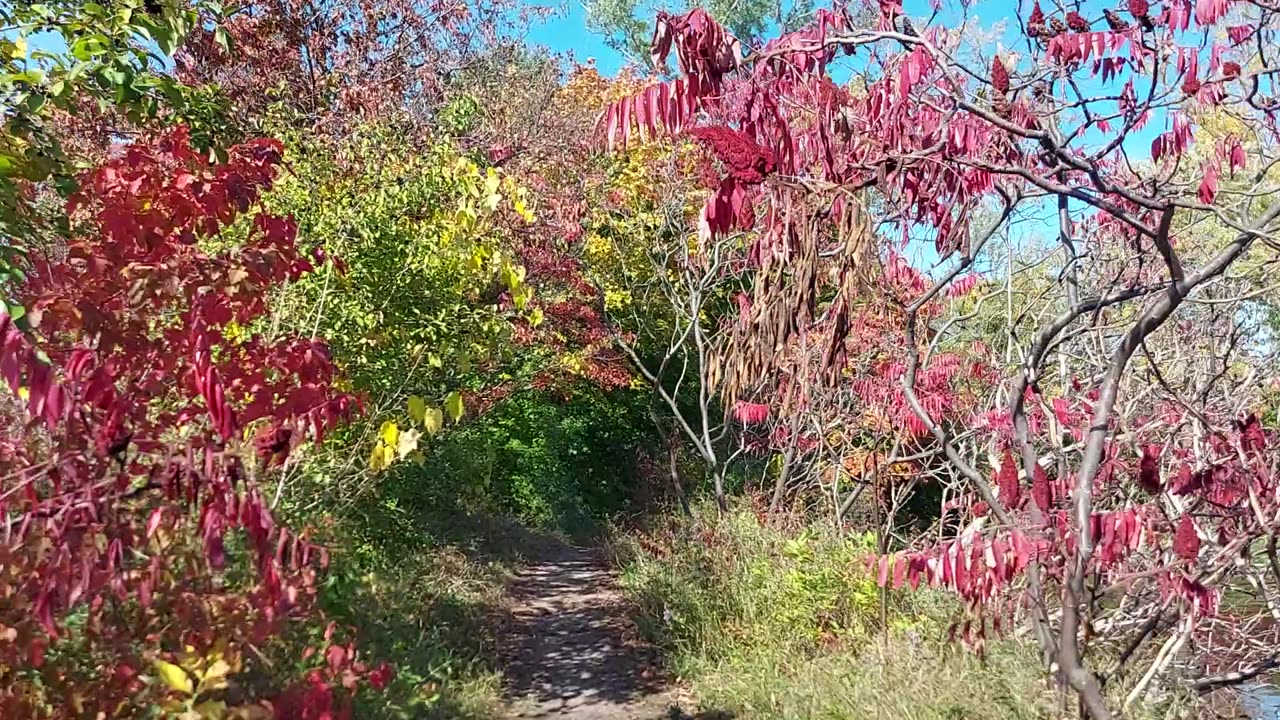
x=562 y=461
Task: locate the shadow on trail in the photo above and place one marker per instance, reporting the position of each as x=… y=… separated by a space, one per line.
x=569 y=649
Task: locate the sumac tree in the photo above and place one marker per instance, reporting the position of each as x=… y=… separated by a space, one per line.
x=139 y=562
x=1117 y=499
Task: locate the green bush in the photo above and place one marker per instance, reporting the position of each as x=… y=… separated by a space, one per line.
x=559 y=461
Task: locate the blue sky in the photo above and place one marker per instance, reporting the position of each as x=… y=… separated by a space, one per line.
x=568 y=33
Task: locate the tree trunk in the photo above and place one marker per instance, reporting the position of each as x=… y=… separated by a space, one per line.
x=673 y=452
x=784 y=474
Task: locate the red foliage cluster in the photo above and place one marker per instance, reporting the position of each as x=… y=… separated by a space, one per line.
x=573 y=322
x=144 y=370
x=704 y=48
x=1035 y=21
x=746 y=160
x=338 y=61
x=749 y=413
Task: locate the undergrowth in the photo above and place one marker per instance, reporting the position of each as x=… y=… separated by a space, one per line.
x=764 y=623
x=423 y=590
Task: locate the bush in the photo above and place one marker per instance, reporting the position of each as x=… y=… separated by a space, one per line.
x=558 y=461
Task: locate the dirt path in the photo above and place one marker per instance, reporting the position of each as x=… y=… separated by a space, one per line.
x=569 y=650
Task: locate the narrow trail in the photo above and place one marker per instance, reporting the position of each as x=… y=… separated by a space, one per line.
x=569 y=650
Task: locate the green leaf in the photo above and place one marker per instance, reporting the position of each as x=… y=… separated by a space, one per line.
x=453 y=406
x=417 y=408
x=34 y=102
x=222 y=39
x=165 y=40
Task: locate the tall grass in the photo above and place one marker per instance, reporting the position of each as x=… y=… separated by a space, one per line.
x=764 y=623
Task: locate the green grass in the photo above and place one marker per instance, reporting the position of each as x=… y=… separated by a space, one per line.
x=766 y=624
x=425 y=592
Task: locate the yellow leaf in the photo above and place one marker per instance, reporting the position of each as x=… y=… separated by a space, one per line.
x=433 y=420
x=173 y=676
x=515 y=277
x=389 y=433
x=535 y=317
x=212 y=709
x=523 y=211
x=521 y=297
x=453 y=406
x=215 y=678
x=377 y=459
x=417 y=408
x=19 y=48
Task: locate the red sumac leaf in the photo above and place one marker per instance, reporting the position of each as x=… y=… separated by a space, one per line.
x=1186 y=543
x=1149 y=469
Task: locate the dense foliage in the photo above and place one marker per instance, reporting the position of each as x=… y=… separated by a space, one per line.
x=299 y=295
x=137 y=534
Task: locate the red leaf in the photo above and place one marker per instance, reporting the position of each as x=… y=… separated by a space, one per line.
x=335 y=656
x=381 y=676
x=1007 y=480
x=1239 y=33
x=660 y=44
x=153 y=521
x=1186 y=543
x=1209 y=185
x=1149 y=469
x=1061 y=411
x=1041 y=493
x=1209 y=11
